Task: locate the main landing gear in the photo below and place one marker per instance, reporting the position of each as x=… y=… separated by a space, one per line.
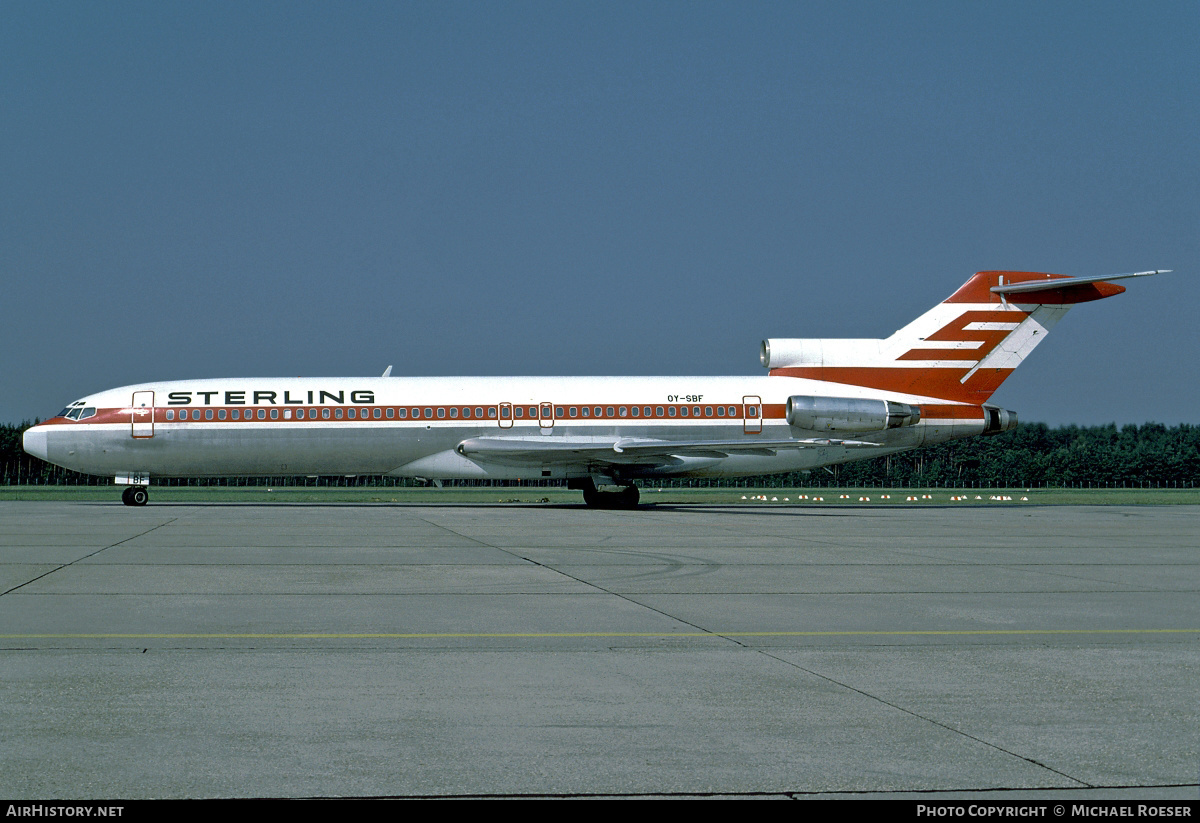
x=627 y=498
x=135 y=496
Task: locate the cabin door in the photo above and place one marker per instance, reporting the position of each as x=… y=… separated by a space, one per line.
x=752 y=414
x=141 y=414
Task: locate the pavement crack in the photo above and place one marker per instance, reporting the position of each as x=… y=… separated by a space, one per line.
x=86 y=556
x=570 y=576
x=920 y=716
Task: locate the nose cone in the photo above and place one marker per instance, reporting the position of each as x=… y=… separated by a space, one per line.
x=34 y=442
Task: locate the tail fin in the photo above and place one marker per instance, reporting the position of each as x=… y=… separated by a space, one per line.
x=961 y=350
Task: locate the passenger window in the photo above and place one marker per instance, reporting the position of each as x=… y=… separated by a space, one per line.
x=610 y=411
x=375 y=414
x=622 y=411
x=492 y=412
x=479 y=412
x=720 y=411
x=337 y=413
x=671 y=411
x=467 y=412
x=633 y=410
x=683 y=411
x=274 y=414
x=574 y=411
x=220 y=414
x=599 y=413
x=208 y=414
x=585 y=411
x=287 y=414
x=708 y=411
x=453 y=412
x=519 y=411
x=646 y=411
x=170 y=414
x=262 y=414
x=658 y=411
x=558 y=412
x=428 y=413
x=325 y=413
x=441 y=412
x=695 y=411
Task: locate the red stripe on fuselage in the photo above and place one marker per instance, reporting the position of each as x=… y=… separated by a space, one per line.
x=936 y=411
x=430 y=413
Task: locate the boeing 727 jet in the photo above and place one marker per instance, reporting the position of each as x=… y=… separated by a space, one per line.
x=822 y=401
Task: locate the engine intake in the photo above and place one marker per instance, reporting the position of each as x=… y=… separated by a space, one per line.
x=849 y=414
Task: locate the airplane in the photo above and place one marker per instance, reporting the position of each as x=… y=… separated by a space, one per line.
x=823 y=401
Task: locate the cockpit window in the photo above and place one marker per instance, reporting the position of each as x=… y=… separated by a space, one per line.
x=88 y=412
x=72 y=411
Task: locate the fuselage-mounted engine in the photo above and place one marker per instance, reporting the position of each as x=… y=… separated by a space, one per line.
x=849 y=414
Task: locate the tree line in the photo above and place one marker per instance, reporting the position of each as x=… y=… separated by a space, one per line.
x=1032 y=455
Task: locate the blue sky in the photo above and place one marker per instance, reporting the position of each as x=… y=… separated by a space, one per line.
x=232 y=189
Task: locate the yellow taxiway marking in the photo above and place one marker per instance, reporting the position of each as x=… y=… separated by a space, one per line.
x=537 y=635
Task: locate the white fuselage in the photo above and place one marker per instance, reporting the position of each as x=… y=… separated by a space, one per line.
x=413 y=426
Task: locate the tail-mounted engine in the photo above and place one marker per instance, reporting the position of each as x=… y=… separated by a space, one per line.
x=849 y=414
x=996 y=420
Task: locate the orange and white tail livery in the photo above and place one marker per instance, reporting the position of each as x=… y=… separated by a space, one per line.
x=822 y=402
x=961 y=350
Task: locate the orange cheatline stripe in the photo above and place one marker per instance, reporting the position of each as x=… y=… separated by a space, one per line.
x=440 y=413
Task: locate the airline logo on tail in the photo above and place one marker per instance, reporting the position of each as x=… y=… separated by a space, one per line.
x=960 y=350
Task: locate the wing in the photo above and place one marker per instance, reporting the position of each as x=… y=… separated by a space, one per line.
x=627 y=450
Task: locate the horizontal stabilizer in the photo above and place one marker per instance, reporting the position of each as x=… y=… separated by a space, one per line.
x=1067 y=282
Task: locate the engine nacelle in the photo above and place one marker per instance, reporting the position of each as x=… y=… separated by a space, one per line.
x=849 y=414
x=996 y=420
x=793 y=352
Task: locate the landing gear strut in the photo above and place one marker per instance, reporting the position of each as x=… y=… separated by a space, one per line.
x=135 y=496
x=627 y=498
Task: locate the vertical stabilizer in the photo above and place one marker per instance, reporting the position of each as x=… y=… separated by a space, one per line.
x=960 y=350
